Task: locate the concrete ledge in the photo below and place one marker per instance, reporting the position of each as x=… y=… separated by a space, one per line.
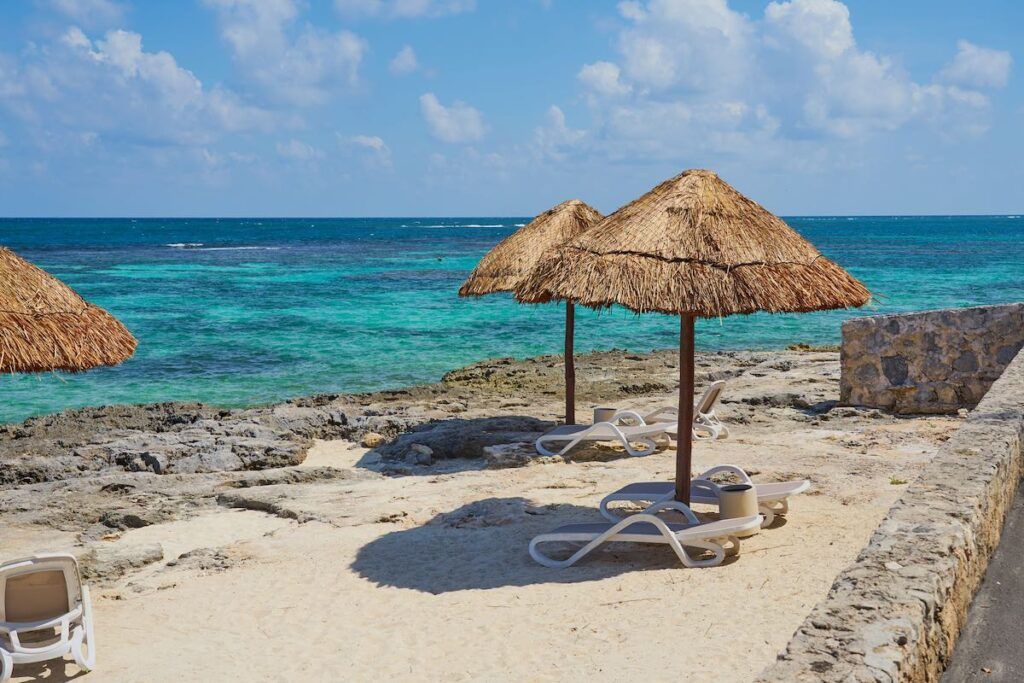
x=894 y=614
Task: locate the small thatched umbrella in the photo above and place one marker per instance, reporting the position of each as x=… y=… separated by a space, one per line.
x=503 y=268
x=692 y=246
x=45 y=325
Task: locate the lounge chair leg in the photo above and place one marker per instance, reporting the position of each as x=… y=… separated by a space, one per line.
x=84 y=636
x=734 y=546
x=768 y=514
x=6 y=666
x=691 y=561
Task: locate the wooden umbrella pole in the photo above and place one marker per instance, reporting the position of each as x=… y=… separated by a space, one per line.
x=684 y=435
x=570 y=366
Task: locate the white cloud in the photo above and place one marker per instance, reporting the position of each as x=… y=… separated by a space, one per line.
x=296 y=150
x=89 y=12
x=698 y=44
x=78 y=91
x=700 y=75
x=378 y=153
x=457 y=123
x=553 y=139
x=603 y=78
x=404 y=62
x=295 y=66
x=403 y=9
x=977 y=67
x=821 y=26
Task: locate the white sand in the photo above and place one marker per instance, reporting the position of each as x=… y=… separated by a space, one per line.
x=396 y=578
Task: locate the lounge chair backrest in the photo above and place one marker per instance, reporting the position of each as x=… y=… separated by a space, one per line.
x=710 y=397
x=38 y=588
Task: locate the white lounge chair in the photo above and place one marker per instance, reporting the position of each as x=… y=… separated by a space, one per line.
x=720 y=537
x=45 y=613
x=772 y=498
x=706 y=425
x=572 y=435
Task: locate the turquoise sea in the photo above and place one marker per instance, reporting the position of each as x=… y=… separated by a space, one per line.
x=245 y=311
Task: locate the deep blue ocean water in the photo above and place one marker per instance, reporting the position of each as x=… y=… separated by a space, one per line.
x=244 y=311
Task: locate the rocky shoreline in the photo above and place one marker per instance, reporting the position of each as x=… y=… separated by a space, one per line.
x=101 y=471
x=192 y=438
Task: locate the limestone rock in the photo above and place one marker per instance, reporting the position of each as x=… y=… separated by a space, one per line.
x=419 y=454
x=371 y=440
x=931 y=362
x=108 y=562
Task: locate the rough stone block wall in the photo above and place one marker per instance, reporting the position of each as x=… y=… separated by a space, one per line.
x=895 y=613
x=930 y=362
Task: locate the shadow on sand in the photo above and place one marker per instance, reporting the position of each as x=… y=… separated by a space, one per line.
x=484 y=545
x=53 y=671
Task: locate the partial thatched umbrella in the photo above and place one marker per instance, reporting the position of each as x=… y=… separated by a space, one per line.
x=504 y=267
x=45 y=325
x=692 y=246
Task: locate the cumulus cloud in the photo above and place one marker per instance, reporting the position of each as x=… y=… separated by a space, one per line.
x=703 y=71
x=457 y=123
x=296 y=150
x=698 y=44
x=294 y=66
x=554 y=138
x=403 y=9
x=977 y=67
x=377 y=153
x=404 y=62
x=79 y=90
x=603 y=78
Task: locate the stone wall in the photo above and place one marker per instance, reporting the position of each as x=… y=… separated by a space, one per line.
x=895 y=613
x=930 y=362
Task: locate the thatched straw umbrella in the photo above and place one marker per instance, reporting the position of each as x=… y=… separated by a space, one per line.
x=504 y=267
x=45 y=325
x=692 y=246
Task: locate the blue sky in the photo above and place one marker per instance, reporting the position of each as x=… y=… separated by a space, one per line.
x=505 y=107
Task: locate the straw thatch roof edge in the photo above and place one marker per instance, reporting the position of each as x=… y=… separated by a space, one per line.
x=71 y=342
x=690 y=287
x=504 y=267
x=692 y=245
x=45 y=325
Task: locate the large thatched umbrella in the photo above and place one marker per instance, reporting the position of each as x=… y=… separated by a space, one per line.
x=692 y=246
x=45 y=325
x=504 y=267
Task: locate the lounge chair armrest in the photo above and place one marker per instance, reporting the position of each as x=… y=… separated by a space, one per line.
x=63 y=621
x=615 y=429
x=631 y=415
x=675 y=505
x=9 y=626
x=731 y=469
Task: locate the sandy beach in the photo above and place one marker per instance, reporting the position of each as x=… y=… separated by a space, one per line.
x=358 y=564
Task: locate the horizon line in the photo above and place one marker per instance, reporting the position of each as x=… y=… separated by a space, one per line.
x=467 y=216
